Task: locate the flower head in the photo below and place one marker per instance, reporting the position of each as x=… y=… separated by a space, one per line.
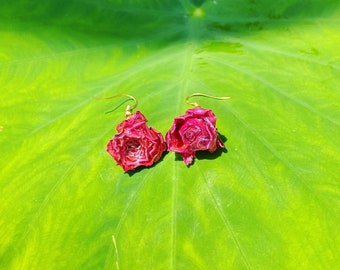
x=135 y=144
x=193 y=131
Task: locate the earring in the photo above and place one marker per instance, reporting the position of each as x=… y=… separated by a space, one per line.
x=135 y=144
x=194 y=131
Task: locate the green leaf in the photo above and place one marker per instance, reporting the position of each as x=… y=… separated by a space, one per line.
x=271 y=201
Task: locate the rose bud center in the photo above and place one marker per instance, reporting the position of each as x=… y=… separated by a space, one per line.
x=132 y=148
x=195 y=135
x=190 y=133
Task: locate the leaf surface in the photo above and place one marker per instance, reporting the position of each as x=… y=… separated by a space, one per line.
x=271 y=201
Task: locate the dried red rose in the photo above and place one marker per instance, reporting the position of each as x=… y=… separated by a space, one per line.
x=135 y=144
x=193 y=131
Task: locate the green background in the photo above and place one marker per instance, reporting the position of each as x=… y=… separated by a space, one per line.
x=270 y=202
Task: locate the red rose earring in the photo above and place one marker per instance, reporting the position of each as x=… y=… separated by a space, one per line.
x=135 y=144
x=194 y=131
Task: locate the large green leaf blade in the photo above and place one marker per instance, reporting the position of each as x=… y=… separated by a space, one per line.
x=270 y=201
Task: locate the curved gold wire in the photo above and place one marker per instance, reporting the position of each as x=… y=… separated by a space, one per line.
x=202 y=95
x=128 y=109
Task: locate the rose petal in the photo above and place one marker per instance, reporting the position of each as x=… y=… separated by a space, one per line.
x=188 y=158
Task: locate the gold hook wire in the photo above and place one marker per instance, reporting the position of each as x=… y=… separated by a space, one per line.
x=195 y=104
x=128 y=109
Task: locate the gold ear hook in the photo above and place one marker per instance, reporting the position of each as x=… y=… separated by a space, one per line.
x=128 y=109
x=202 y=95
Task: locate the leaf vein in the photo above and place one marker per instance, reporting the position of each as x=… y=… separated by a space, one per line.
x=224 y=219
